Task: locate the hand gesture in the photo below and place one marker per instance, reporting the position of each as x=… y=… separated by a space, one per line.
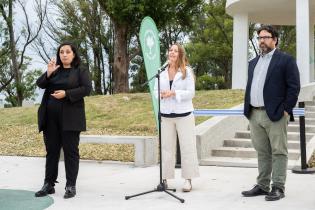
x=167 y=93
x=59 y=94
x=51 y=67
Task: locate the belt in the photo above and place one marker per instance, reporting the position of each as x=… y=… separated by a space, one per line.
x=259 y=107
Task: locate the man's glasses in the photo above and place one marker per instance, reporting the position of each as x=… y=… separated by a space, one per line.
x=264 y=37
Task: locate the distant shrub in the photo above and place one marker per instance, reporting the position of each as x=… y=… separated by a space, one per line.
x=206 y=82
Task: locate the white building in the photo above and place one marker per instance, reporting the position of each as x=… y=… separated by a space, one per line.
x=275 y=12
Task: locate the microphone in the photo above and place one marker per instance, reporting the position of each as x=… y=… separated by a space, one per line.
x=162 y=68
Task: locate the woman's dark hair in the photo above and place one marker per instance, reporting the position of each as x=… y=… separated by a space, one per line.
x=76 y=60
x=274 y=33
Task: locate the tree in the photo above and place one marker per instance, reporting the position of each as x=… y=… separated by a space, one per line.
x=85 y=24
x=6 y=75
x=17 y=57
x=287 y=39
x=126 y=16
x=28 y=84
x=210 y=50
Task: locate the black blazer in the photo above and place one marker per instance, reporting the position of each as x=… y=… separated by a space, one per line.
x=73 y=113
x=282 y=86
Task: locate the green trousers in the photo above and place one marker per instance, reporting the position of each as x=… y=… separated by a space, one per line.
x=270 y=141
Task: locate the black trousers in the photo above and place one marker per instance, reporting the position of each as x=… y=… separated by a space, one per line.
x=55 y=138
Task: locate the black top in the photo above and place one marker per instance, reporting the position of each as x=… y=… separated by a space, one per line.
x=77 y=84
x=59 y=80
x=171 y=82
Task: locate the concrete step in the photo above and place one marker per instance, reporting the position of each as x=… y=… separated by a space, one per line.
x=236 y=162
x=309 y=114
x=310 y=108
x=246 y=152
x=309 y=103
x=308 y=121
x=247 y=143
x=291 y=135
x=296 y=128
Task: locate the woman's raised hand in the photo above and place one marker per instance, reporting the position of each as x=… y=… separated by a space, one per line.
x=51 y=67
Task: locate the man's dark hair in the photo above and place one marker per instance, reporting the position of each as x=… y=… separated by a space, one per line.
x=76 y=60
x=274 y=33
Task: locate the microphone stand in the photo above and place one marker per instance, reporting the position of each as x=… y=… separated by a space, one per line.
x=162 y=186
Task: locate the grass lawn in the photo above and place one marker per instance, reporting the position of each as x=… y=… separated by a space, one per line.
x=120 y=114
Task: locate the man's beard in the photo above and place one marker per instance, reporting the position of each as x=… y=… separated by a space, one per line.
x=264 y=49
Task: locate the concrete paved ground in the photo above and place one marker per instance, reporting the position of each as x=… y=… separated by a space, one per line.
x=103 y=185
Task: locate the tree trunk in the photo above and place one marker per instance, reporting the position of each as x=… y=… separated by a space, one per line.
x=97 y=71
x=13 y=55
x=121 y=60
x=227 y=77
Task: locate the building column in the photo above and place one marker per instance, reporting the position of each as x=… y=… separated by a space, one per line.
x=240 y=51
x=303 y=39
x=312 y=54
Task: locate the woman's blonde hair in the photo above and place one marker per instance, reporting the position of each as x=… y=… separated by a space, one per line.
x=182 y=60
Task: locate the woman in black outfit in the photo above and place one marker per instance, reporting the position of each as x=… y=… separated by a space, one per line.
x=61 y=116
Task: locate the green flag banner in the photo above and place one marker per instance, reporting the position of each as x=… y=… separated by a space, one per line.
x=150 y=45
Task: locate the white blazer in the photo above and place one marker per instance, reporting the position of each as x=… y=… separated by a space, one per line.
x=184 y=91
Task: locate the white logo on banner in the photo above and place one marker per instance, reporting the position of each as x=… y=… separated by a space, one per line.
x=150 y=50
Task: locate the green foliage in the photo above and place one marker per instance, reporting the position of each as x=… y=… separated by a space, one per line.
x=88 y=27
x=29 y=83
x=210 y=49
x=206 y=82
x=27 y=86
x=5 y=71
x=138 y=75
x=287 y=39
x=172 y=17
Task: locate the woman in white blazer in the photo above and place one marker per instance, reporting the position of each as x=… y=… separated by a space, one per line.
x=177 y=92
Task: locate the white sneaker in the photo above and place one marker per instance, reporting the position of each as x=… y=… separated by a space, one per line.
x=187 y=185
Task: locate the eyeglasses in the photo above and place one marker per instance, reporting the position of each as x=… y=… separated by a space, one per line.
x=264 y=37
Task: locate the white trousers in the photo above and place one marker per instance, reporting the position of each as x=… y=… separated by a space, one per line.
x=184 y=127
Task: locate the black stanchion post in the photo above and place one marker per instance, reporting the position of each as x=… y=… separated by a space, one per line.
x=304 y=167
x=302 y=139
x=178 y=158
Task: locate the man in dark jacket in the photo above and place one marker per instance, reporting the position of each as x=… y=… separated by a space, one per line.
x=271 y=93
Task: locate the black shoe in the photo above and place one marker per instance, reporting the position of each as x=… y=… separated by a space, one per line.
x=254 y=192
x=46 y=189
x=275 y=194
x=70 y=192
